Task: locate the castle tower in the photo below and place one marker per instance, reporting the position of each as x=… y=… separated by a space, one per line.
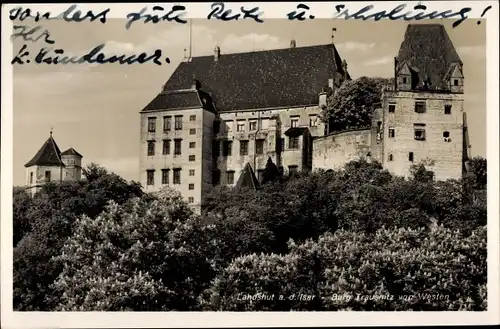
x=46 y=166
x=423 y=112
x=73 y=164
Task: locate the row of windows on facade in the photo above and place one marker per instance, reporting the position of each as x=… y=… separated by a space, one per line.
x=227 y=146
x=420 y=107
x=455 y=81
x=411 y=157
x=253 y=124
x=47 y=176
x=167 y=123
x=418 y=130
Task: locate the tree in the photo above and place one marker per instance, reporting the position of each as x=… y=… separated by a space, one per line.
x=135 y=257
x=351 y=106
x=52 y=214
x=421 y=174
x=393 y=270
x=479 y=168
x=21 y=219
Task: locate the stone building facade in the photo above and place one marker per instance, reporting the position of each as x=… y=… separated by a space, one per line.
x=50 y=164
x=219 y=119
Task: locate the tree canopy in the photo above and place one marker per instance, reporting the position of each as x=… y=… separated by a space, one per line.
x=351 y=106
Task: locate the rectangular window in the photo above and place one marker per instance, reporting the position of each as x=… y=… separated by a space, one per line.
x=392 y=133
x=410 y=156
x=294 y=122
x=252 y=125
x=240 y=126
x=227 y=148
x=243 y=147
x=404 y=79
x=229 y=126
x=392 y=108
x=178 y=122
x=177 y=176
x=191 y=172
x=151 y=125
x=259 y=146
x=230 y=177
x=216 y=148
x=191 y=186
x=192 y=158
x=192 y=131
x=150 y=177
x=191 y=199
x=166 y=146
x=447 y=109
x=292 y=169
x=167 y=123
x=177 y=146
x=419 y=131
x=420 y=106
x=216 y=177
x=389 y=157
x=47 y=176
x=216 y=127
x=192 y=118
x=379 y=126
x=192 y=145
x=455 y=82
x=164 y=176
x=281 y=144
x=313 y=120
x=293 y=143
x=31 y=178
x=151 y=148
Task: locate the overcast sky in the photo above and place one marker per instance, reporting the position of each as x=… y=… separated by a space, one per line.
x=95 y=109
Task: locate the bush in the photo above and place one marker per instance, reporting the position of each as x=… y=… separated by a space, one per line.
x=398 y=269
x=135 y=257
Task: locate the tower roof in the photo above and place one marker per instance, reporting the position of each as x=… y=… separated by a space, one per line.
x=247 y=179
x=429 y=52
x=47 y=155
x=261 y=79
x=72 y=151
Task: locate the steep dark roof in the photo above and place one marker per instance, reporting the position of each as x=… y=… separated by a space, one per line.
x=429 y=52
x=247 y=179
x=71 y=151
x=171 y=100
x=47 y=155
x=261 y=79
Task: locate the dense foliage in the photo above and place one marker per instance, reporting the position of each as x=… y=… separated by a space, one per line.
x=100 y=244
x=42 y=225
x=351 y=106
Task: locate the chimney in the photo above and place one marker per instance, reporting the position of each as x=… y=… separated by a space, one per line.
x=216 y=53
x=293 y=44
x=196 y=85
x=330 y=83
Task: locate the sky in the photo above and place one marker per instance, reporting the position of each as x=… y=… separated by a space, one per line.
x=95 y=108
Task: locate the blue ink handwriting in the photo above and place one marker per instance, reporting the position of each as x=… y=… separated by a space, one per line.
x=56 y=56
x=219 y=12
x=341 y=12
x=175 y=14
x=69 y=15
x=30 y=34
x=299 y=15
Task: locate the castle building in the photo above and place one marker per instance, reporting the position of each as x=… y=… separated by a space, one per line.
x=50 y=164
x=219 y=119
